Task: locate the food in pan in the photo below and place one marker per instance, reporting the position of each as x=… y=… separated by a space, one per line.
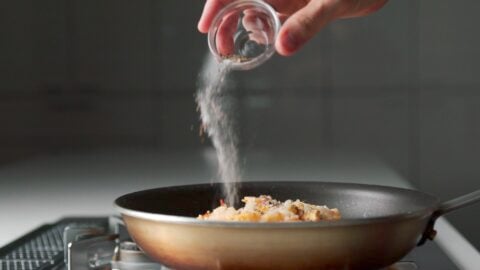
x=266 y=209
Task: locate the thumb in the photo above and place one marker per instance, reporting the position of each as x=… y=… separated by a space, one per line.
x=304 y=24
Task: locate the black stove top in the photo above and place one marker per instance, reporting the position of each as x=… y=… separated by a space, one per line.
x=104 y=244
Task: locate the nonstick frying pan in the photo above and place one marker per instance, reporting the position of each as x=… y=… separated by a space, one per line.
x=379 y=226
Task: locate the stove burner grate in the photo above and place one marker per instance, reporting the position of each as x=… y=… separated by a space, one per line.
x=44 y=249
x=40 y=249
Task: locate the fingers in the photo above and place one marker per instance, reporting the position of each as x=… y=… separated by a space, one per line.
x=225 y=34
x=287 y=6
x=211 y=8
x=307 y=17
x=258 y=27
x=282 y=17
x=304 y=24
x=362 y=8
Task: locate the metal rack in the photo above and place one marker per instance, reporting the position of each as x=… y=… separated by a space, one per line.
x=41 y=248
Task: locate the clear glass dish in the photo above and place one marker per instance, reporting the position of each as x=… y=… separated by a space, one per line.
x=244 y=33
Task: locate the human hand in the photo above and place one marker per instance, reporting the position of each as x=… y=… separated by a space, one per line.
x=302 y=19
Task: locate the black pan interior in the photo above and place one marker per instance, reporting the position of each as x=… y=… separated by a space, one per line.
x=353 y=200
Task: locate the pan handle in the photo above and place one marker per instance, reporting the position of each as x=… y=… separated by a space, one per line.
x=445 y=208
x=457 y=203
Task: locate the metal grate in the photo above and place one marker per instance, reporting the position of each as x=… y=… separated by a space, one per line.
x=45 y=249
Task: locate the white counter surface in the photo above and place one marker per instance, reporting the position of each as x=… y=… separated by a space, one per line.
x=46 y=188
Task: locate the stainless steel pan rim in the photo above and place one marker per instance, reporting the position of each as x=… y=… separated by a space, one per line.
x=343 y=222
x=421 y=213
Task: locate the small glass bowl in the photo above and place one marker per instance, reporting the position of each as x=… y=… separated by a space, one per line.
x=243 y=34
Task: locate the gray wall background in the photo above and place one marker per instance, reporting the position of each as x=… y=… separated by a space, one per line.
x=402 y=84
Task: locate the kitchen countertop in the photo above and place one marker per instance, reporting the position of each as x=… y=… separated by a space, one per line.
x=45 y=188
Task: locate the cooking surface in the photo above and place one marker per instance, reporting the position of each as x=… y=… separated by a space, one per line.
x=50 y=187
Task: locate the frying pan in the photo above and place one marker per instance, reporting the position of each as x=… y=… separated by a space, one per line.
x=379 y=226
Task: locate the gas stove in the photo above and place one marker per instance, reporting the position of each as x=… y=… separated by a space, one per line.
x=104 y=244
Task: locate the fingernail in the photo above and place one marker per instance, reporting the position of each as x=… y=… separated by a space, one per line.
x=290 y=42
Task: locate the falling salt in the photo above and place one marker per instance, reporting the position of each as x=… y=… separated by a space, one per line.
x=218 y=121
